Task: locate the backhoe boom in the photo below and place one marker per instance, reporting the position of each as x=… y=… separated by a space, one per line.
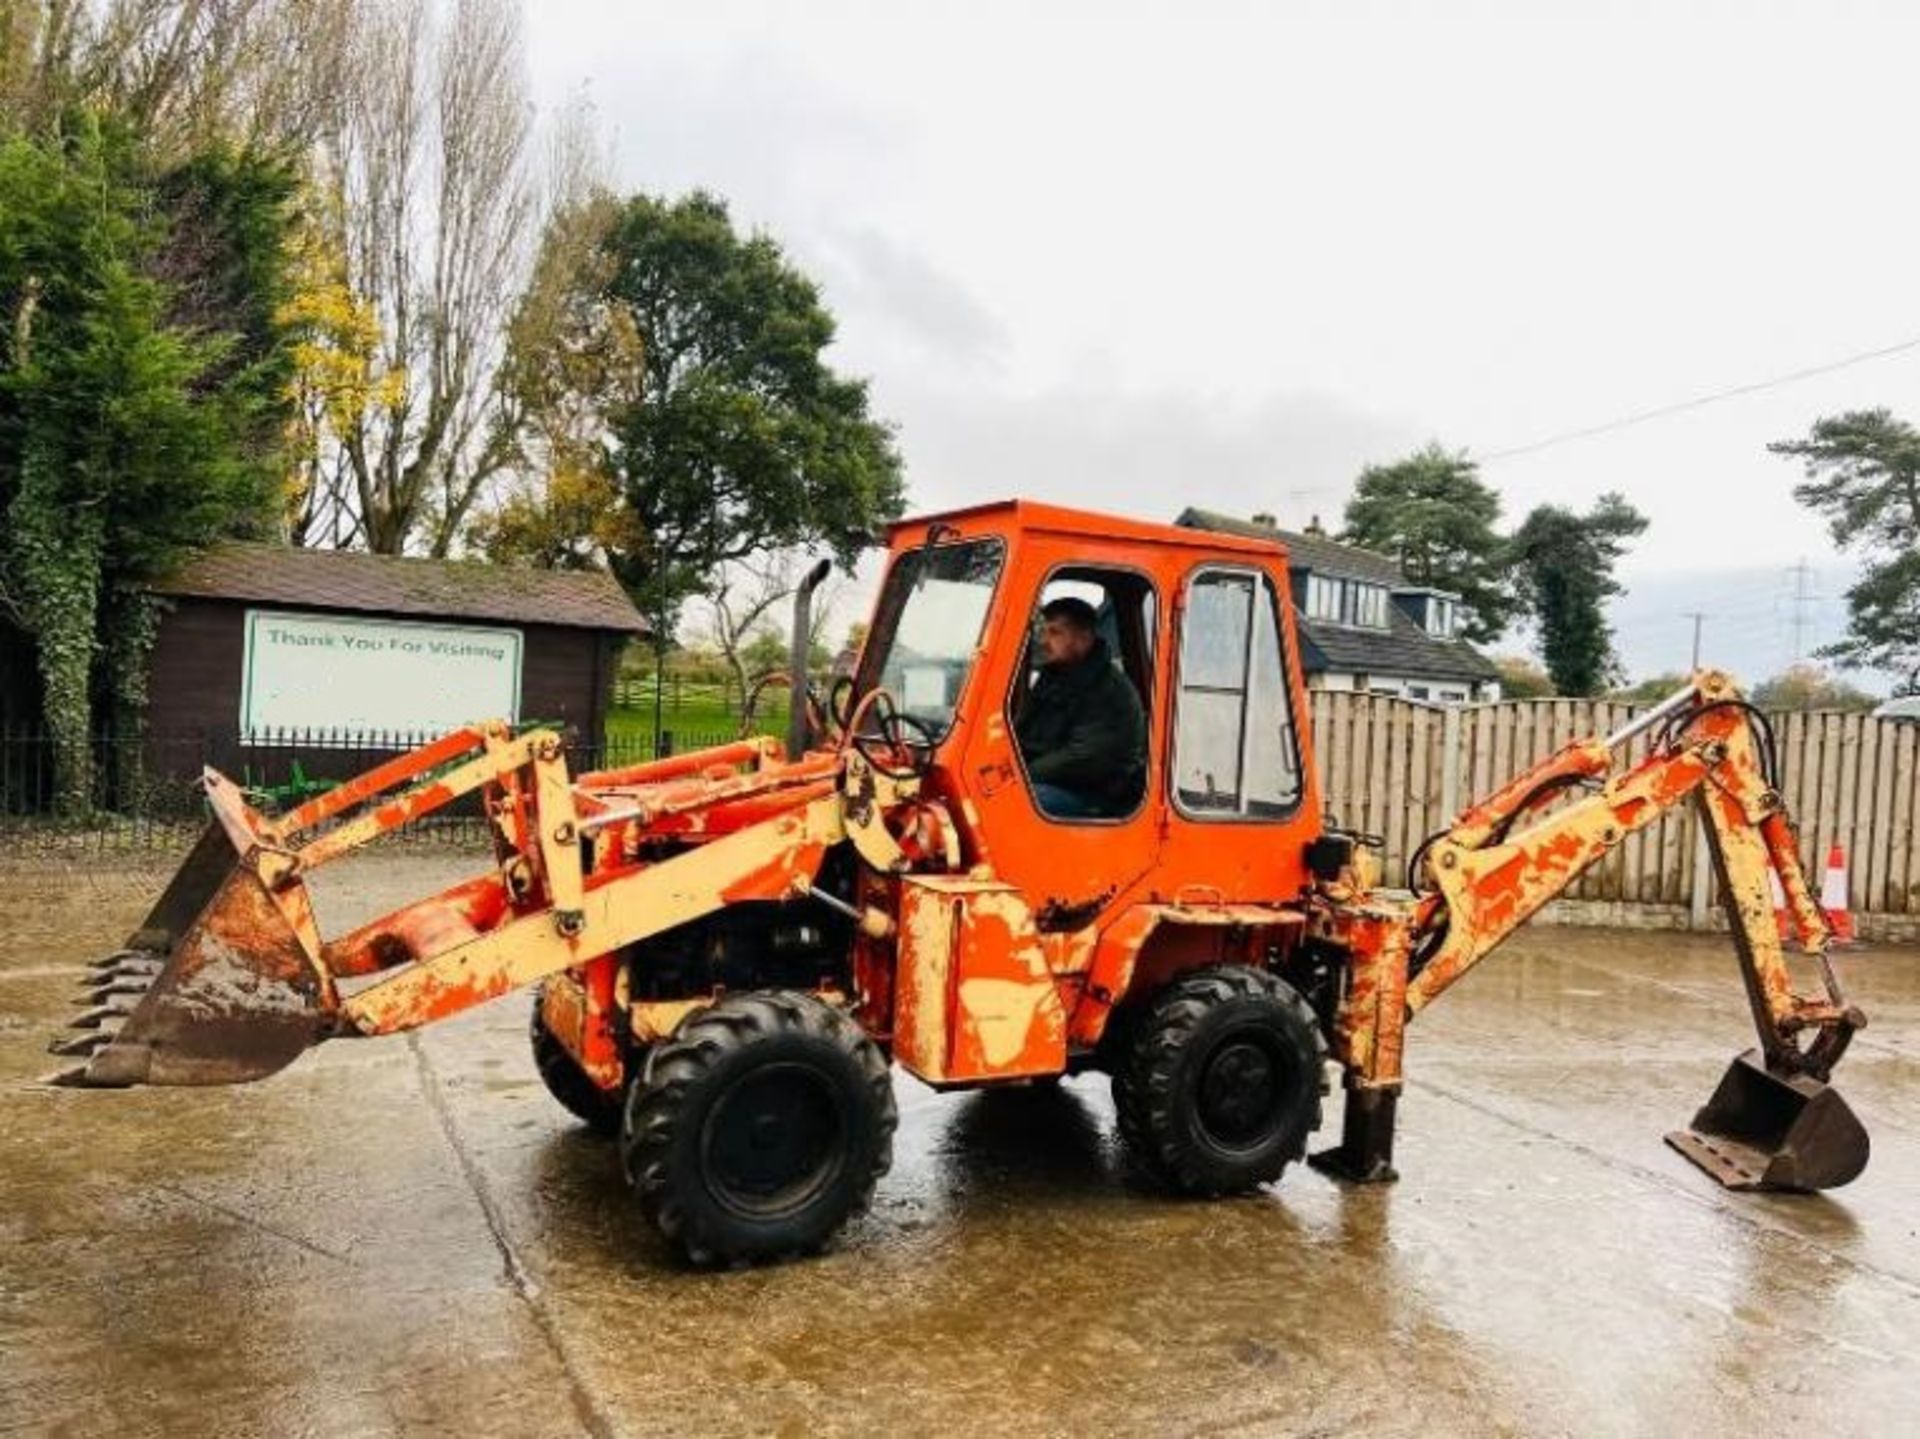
x=1487 y=874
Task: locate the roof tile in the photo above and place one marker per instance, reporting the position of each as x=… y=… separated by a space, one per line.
x=1307 y=552
x=1403 y=649
x=391 y=584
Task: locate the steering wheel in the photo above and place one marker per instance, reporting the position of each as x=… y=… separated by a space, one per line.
x=818 y=730
x=839 y=705
x=894 y=724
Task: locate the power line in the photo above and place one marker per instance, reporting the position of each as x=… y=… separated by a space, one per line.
x=1662 y=411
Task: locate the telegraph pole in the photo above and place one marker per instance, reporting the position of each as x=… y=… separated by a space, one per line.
x=1699 y=618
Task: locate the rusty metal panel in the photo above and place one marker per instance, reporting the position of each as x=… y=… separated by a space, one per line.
x=974 y=998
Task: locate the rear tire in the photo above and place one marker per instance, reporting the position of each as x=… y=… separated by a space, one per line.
x=566 y=1081
x=1221 y=1081
x=759 y=1128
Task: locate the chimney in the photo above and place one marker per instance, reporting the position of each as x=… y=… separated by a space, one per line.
x=1266 y=521
x=1313 y=527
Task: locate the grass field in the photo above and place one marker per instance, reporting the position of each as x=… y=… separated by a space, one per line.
x=695 y=721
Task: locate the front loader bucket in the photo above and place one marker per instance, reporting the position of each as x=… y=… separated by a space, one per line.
x=215 y=988
x=1763 y=1130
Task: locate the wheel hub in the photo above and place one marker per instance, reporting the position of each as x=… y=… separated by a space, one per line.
x=773 y=1140
x=1240 y=1091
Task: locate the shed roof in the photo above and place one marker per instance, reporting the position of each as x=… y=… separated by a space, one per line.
x=393 y=584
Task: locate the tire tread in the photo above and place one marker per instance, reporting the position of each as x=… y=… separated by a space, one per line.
x=1146 y=1091
x=566 y=1081
x=704 y=1041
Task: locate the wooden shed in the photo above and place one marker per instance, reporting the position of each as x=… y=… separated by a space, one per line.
x=262 y=642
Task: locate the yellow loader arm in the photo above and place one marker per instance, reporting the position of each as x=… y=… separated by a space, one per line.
x=230 y=978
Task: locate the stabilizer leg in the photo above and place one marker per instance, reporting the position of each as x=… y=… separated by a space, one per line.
x=1365 y=1152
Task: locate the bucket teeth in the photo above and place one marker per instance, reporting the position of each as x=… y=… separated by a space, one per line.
x=119 y=1007
x=126 y=973
x=123 y=956
x=145 y=965
x=82 y=1044
x=126 y=985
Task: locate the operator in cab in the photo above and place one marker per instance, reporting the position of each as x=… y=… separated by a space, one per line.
x=1082 y=730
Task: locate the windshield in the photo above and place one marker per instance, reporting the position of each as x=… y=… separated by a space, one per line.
x=927 y=627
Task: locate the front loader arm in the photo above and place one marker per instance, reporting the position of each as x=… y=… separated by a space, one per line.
x=237 y=980
x=771 y=860
x=1492 y=870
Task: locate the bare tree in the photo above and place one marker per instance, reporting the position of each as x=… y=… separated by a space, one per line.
x=187 y=72
x=430 y=151
x=745 y=600
x=38 y=42
x=740 y=606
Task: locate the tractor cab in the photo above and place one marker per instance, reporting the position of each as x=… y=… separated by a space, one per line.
x=1214 y=798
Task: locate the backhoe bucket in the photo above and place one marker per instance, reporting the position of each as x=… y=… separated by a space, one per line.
x=1763 y=1130
x=215 y=987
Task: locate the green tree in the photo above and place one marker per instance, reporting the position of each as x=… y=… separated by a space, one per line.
x=1522 y=679
x=1863 y=475
x=765 y=652
x=1433 y=513
x=572 y=363
x=1652 y=690
x=1809 y=687
x=738 y=437
x=1563 y=570
x=137 y=415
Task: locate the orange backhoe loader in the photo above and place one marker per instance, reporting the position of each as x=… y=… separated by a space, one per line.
x=728 y=947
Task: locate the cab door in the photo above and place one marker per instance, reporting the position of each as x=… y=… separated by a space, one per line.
x=1071 y=870
x=1241 y=802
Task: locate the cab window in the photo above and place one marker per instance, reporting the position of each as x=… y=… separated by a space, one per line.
x=1235 y=752
x=1083 y=693
x=927 y=627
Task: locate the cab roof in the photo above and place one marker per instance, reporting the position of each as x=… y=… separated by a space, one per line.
x=1036 y=517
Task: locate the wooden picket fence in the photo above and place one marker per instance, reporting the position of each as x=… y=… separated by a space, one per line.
x=1402 y=770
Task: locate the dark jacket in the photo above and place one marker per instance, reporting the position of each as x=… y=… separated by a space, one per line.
x=1083 y=728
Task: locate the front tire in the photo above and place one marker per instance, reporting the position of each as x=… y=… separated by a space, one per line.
x=759 y=1128
x=1220 y=1086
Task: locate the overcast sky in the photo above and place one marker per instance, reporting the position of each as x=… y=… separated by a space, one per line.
x=1137 y=257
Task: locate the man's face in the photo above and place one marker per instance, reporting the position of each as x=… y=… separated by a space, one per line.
x=1062 y=642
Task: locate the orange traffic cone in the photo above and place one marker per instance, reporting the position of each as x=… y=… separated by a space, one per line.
x=1833 y=895
x=1782 y=920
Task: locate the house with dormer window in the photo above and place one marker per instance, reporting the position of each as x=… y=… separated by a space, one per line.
x=1363 y=625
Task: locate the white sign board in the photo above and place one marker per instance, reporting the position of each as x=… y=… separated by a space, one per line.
x=361 y=676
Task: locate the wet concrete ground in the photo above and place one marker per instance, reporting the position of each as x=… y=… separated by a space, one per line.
x=408 y=1235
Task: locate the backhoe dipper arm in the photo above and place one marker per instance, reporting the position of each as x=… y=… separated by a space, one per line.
x=1490 y=888
x=1483 y=879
